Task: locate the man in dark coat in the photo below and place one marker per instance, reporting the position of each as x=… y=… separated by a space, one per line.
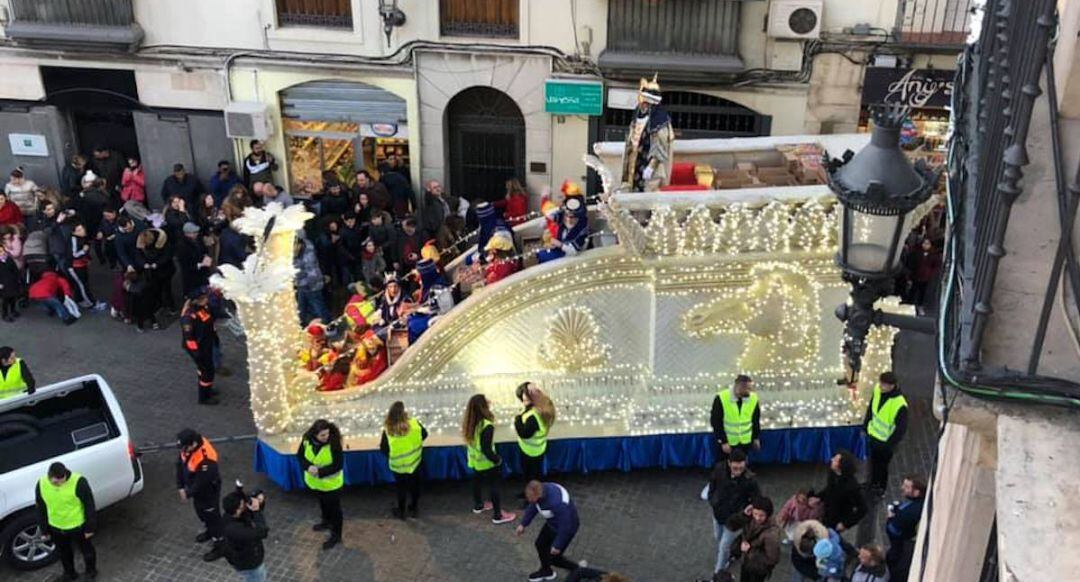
x=109 y=164
x=184 y=185
x=245 y=529
x=903 y=525
x=886 y=400
x=198 y=479
x=195 y=261
x=731 y=491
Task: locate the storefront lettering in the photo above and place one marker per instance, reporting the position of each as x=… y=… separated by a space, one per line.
x=918 y=88
x=916 y=91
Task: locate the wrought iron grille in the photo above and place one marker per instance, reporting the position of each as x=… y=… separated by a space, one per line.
x=933 y=22
x=75 y=12
x=486 y=18
x=680 y=26
x=323 y=13
x=695 y=116
x=486 y=140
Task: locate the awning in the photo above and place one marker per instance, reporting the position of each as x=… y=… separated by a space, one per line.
x=343 y=101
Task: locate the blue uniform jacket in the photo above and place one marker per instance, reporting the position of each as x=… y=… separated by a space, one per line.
x=559 y=511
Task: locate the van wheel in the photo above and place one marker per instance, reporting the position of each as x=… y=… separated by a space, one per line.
x=24 y=548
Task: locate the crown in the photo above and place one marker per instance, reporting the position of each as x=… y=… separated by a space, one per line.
x=646 y=85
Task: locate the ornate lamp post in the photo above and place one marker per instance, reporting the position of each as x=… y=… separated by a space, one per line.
x=878 y=189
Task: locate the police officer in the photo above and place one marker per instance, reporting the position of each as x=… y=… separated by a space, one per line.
x=736 y=419
x=65 y=503
x=15 y=376
x=200 y=340
x=885 y=423
x=199 y=480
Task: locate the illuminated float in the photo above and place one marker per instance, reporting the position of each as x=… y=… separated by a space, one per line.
x=683 y=289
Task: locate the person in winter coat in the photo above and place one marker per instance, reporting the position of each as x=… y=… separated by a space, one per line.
x=372 y=263
x=382 y=232
x=10 y=213
x=90 y=203
x=902 y=526
x=322 y=463
x=334 y=202
x=49 y=291
x=798 y=508
x=10 y=284
x=842 y=496
x=133 y=183
x=259 y=165
x=181 y=183
x=376 y=192
x=80 y=266
x=223 y=181
x=871 y=566
x=401 y=193
x=759 y=545
x=21 y=190
x=885 y=424
x=808 y=535
x=244 y=531
x=71 y=176
x=108 y=165
x=154 y=262
x=233 y=247
x=552 y=501
x=409 y=243
x=309 y=282
x=829 y=555
x=730 y=493
x=195 y=262
x=198 y=480
x=478 y=431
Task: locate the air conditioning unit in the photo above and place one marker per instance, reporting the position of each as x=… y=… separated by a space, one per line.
x=798 y=19
x=248 y=120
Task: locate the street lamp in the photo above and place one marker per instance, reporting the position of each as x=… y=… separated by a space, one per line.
x=878 y=189
x=392 y=16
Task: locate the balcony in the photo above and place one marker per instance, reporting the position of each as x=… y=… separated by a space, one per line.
x=682 y=38
x=321 y=13
x=480 y=18
x=74 y=24
x=933 y=23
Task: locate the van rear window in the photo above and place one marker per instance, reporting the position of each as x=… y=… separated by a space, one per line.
x=55 y=425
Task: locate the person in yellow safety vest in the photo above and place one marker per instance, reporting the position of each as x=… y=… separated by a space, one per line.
x=736 y=419
x=403 y=444
x=65 y=507
x=478 y=431
x=15 y=376
x=322 y=462
x=885 y=424
x=532 y=425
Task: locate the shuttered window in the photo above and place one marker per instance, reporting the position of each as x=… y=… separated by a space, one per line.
x=709 y=27
x=490 y=18
x=328 y=13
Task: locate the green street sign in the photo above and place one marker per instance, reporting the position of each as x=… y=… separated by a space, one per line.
x=572 y=97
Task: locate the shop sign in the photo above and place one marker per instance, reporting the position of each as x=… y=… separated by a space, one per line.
x=28 y=144
x=384 y=129
x=916 y=88
x=573 y=97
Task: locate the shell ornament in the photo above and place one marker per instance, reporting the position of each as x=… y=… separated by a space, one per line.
x=572 y=342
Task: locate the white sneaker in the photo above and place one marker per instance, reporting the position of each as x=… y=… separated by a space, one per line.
x=506 y=517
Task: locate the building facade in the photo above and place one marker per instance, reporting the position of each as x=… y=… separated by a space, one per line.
x=467 y=92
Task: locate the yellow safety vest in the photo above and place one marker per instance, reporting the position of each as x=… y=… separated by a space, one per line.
x=406 y=450
x=12 y=383
x=535 y=445
x=478 y=461
x=323 y=459
x=738 y=422
x=883 y=418
x=62 y=507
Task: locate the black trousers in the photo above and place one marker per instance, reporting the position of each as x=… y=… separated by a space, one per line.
x=330 y=510
x=532 y=467
x=880 y=456
x=204 y=364
x=899 y=558
x=749 y=576
x=65 y=541
x=491 y=479
x=408 y=485
x=209 y=512
x=543 y=551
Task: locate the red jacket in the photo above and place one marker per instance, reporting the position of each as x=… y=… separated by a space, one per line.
x=514 y=208
x=499 y=269
x=50 y=286
x=133 y=185
x=10 y=214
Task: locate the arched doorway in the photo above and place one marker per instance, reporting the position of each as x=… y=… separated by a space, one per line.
x=694 y=116
x=485 y=143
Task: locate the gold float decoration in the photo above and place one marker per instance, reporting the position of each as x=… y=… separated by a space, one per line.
x=572 y=342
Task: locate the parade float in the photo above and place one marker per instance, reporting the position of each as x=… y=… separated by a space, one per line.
x=682 y=290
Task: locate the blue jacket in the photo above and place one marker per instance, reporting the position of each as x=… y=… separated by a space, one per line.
x=220 y=188
x=833 y=565
x=557 y=508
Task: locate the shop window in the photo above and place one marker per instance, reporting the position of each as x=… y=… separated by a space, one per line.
x=325 y=13
x=320 y=149
x=490 y=18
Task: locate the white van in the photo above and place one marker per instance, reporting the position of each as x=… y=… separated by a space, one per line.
x=77 y=422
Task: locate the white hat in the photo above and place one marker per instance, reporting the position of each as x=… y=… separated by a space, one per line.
x=90 y=177
x=573 y=204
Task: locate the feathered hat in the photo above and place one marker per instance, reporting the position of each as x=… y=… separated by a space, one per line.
x=649 y=91
x=570 y=188
x=549 y=209
x=430 y=252
x=501 y=240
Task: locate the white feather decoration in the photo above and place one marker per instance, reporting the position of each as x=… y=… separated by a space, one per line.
x=291 y=219
x=256 y=281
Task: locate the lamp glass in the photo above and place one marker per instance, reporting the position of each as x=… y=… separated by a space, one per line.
x=870 y=241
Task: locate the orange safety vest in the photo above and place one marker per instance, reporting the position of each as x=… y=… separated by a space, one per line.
x=205 y=452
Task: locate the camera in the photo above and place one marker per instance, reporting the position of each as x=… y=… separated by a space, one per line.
x=247 y=497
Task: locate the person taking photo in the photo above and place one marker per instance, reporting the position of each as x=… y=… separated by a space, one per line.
x=244 y=530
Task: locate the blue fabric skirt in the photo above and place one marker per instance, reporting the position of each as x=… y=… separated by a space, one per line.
x=582 y=455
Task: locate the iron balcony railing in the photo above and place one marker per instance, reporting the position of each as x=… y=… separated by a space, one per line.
x=75 y=24
x=324 y=13
x=933 y=22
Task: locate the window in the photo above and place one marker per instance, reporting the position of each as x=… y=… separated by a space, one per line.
x=491 y=18
x=709 y=27
x=328 y=13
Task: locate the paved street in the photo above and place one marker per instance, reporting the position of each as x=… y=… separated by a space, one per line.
x=650 y=525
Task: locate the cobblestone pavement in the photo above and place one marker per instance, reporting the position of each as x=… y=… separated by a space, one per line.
x=650 y=525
